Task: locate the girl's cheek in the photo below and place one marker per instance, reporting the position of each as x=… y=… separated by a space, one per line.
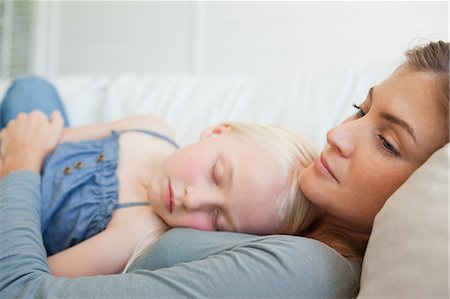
x=199 y=222
x=192 y=167
x=187 y=168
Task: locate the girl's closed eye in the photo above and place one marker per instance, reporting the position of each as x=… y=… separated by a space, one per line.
x=213 y=173
x=215 y=220
x=216 y=173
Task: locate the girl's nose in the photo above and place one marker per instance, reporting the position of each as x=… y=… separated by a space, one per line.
x=343 y=138
x=199 y=198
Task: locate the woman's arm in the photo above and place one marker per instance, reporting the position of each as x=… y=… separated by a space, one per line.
x=100 y=131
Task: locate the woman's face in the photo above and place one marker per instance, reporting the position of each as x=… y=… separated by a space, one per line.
x=219 y=183
x=367 y=157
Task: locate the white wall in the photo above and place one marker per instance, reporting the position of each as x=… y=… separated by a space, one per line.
x=232 y=37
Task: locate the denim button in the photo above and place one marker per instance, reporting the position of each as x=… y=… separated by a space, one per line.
x=79 y=165
x=67 y=170
x=100 y=158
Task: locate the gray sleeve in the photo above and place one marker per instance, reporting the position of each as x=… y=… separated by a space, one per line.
x=240 y=265
x=184 y=263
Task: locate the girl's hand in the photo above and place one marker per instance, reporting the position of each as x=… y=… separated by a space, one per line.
x=27 y=139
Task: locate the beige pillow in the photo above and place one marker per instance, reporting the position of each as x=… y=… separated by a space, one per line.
x=407 y=254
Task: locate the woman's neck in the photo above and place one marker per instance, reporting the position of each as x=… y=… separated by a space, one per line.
x=340 y=236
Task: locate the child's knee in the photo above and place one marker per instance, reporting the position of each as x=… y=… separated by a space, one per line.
x=30 y=82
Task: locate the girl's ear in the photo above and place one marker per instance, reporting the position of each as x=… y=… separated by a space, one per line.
x=215 y=130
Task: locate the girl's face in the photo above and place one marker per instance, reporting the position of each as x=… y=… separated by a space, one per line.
x=367 y=157
x=219 y=183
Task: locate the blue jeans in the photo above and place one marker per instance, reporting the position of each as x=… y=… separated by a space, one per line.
x=29 y=93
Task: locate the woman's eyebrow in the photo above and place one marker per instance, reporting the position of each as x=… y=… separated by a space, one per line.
x=393 y=119
x=401 y=123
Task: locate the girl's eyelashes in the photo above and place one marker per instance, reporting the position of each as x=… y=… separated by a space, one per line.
x=216 y=173
x=359 y=113
x=213 y=173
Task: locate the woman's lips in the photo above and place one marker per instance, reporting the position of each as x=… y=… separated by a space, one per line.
x=322 y=166
x=168 y=198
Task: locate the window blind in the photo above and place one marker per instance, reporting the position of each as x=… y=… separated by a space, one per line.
x=16 y=25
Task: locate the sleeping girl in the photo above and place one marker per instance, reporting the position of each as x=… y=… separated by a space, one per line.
x=110 y=190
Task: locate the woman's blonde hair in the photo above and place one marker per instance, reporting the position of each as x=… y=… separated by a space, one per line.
x=433 y=58
x=293 y=153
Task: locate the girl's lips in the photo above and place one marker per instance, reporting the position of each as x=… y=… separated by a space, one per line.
x=168 y=198
x=322 y=166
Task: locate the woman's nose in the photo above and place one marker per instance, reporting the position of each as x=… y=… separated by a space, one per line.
x=199 y=198
x=343 y=138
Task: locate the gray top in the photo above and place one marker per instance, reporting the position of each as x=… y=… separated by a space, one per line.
x=183 y=263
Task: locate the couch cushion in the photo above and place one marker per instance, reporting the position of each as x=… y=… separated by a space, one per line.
x=407 y=254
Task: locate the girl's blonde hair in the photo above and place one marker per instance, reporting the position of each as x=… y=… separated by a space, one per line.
x=293 y=153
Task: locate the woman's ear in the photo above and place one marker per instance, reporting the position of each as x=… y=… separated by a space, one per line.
x=215 y=130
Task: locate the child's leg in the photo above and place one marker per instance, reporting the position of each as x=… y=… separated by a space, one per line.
x=29 y=93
